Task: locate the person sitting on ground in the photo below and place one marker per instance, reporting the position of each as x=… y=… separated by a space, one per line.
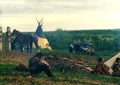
x=101 y=68
x=116 y=68
x=21 y=68
x=37 y=64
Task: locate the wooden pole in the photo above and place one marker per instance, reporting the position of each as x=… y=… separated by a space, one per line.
x=8 y=33
x=0 y=38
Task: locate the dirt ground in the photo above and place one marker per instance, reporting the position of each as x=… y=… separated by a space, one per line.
x=57 y=62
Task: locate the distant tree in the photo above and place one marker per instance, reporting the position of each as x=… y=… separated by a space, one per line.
x=101 y=39
x=59 y=29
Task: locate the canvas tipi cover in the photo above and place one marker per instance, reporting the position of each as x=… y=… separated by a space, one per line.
x=111 y=61
x=42 y=41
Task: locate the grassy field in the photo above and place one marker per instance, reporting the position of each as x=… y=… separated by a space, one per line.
x=8 y=61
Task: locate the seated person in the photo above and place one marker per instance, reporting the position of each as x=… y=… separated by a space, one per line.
x=21 y=68
x=37 y=64
x=116 y=68
x=101 y=68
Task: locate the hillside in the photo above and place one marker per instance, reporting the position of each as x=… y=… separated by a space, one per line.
x=107 y=40
x=64 y=66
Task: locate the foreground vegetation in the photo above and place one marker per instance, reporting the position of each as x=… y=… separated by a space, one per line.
x=8 y=76
x=105 y=42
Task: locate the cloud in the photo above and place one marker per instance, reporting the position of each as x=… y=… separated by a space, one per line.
x=66 y=14
x=57 y=6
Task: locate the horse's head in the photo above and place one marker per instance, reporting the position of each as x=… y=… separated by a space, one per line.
x=15 y=32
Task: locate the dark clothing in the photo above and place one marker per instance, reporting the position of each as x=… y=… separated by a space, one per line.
x=71 y=48
x=36 y=67
x=41 y=68
x=116 y=70
x=77 y=47
x=21 y=68
x=101 y=68
x=33 y=63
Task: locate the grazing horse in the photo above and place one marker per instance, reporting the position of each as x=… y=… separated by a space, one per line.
x=24 y=39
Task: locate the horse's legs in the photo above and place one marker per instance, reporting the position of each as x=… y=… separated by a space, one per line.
x=36 y=44
x=21 y=47
x=13 y=46
x=31 y=47
x=27 y=48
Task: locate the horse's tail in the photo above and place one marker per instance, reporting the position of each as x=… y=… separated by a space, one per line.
x=13 y=43
x=35 y=40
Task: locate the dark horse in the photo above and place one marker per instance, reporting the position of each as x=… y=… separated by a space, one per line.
x=23 y=39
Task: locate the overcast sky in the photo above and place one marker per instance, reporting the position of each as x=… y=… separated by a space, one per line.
x=65 y=14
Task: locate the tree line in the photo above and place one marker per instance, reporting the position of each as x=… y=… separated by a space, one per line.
x=108 y=40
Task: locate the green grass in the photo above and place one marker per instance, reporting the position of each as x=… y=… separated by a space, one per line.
x=65 y=52
x=106 y=54
x=7 y=70
x=8 y=75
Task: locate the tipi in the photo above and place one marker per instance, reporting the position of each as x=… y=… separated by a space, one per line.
x=111 y=61
x=39 y=31
x=42 y=41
